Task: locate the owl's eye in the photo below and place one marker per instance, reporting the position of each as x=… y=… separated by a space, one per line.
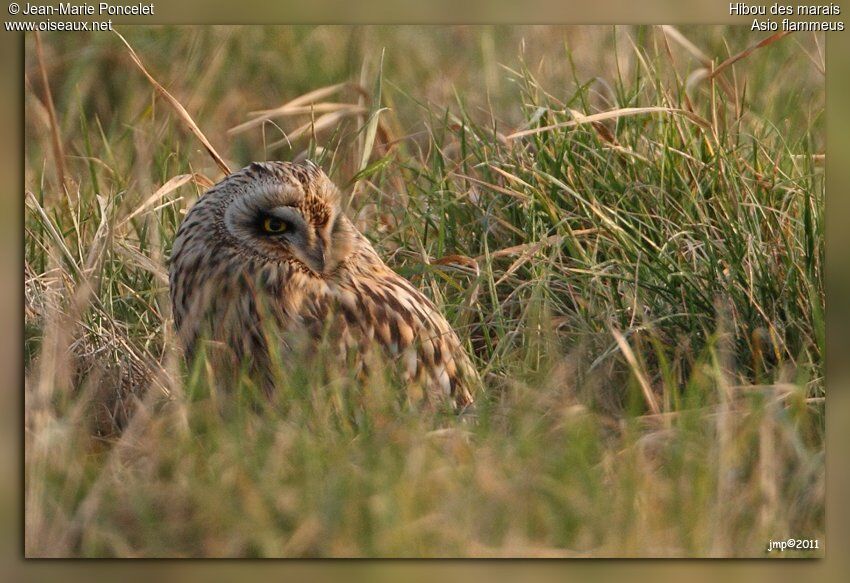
x=274 y=225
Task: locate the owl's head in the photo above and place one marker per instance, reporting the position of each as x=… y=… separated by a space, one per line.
x=284 y=212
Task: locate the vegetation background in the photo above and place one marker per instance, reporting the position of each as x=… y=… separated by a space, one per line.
x=642 y=291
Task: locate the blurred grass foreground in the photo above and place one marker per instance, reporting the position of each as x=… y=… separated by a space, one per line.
x=625 y=225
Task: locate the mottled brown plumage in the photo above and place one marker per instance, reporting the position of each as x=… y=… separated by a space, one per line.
x=269 y=249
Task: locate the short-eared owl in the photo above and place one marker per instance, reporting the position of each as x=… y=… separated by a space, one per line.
x=270 y=245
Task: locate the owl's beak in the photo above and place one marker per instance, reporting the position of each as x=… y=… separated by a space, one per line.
x=317 y=257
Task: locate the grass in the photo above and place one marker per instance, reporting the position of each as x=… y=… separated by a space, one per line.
x=642 y=291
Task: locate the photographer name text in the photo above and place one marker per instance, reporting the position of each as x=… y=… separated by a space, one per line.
x=99 y=9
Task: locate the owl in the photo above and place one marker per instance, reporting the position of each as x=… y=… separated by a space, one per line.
x=267 y=263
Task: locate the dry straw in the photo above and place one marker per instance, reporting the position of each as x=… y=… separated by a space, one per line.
x=181 y=111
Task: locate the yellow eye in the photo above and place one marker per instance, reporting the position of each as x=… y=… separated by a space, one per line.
x=273 y=225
